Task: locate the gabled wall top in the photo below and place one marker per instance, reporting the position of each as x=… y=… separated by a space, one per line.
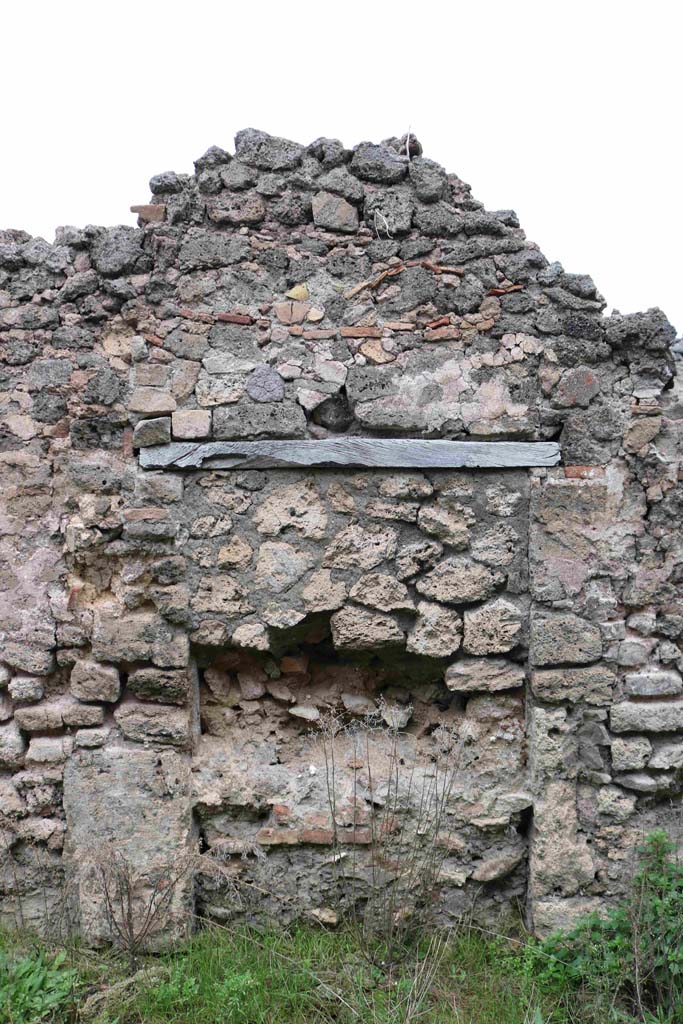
x=295 y=291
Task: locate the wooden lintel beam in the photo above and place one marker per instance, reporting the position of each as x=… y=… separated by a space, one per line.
x=352 y=452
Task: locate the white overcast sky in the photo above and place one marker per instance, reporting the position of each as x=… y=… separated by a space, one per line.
x=569 y=112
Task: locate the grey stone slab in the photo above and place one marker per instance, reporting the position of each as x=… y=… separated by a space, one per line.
x=398 y=453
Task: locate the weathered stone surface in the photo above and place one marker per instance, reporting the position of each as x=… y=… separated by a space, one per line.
x=643 y=782
x=265 y=385
x=666 y=755
x=91 y=680
x=339 y=180
x=237 y=553
x=641 y=432
x=48 y=750
x=378 y=163
x=334 y=213
x=437 y=632
x=654 y=716
x=653 y=683
x=279 y=566
x=449 y=525
x=138 y=636
x=252 y=635
x=10 y=800
x=134 y=803
x=268 y=419
x=389 y=211
x=77 y=714
x=554 y=915
x=357 y=704
x=494 y=628
x=498 y=866
x=415 y=558
x=562 y=861
x=27 y=657
x=239 y=208
x=89 y=738
x=26 y=688
x=12 y=745
x=490 y=674
x=168 y=686
x=381 y=591
x=220 y=594
x=396 y=716
x=205 y=249
x=154 y=723
x=305 y=711
x=295 y=506
x=5 y=708
x=594 y=685
x=322 y=593
x=39 y=717
x=428 y=179
x=563 y=638
x=359 y=548
x=496 y=547
x=190 y=423
x=117 y=250
x=150 y=400
x=267 y=151
x=357 y=629
x=630 y=752
x=613 y=803
x=154 y=431
x=459 y=581
x=553 y=744
x=237 y=176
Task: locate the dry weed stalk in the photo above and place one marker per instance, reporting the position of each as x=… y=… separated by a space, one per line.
x=137 y=902
x=409 y=822
x=55 y=921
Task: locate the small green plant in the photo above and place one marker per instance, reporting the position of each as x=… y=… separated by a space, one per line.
x=179 y=991
x=634 y=954
x=233 y=992
x=35 y=987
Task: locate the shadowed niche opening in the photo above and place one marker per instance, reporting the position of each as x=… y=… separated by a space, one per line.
x=321 y=774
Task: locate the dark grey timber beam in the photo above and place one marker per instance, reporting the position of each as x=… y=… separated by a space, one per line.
x=356 y=452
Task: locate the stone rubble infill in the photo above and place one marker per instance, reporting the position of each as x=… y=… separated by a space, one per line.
x=177 y=647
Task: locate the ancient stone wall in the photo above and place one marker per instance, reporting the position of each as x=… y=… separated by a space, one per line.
x=170 y=642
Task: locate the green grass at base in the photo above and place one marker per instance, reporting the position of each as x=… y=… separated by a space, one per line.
x=301 y=976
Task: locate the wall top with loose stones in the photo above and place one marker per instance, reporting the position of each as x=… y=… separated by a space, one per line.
x=311 y=291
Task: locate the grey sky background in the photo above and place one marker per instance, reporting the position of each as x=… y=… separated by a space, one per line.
x=569 y=113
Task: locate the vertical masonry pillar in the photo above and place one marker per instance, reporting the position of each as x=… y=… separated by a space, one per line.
x=133 y=801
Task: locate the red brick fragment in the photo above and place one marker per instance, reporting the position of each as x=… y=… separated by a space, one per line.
x=357 y=837
x=278 y=837
x=361 y=332
x=442 y=334
x=151 y=513
x=195 y=314
x=583 y=472
x=317 y=836
x=150 y=213
x=442 y=321
x=504 y=291
x=128 y=442
x=321 y=335
x=235 y=318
